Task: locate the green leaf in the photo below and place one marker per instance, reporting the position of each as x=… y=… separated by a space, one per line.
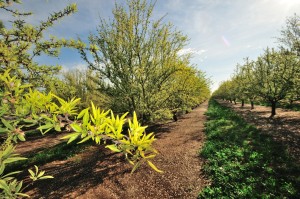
x=46 y=126
x=4 y=186
x=135 y=167
x=13 y=159
x=21 y=137
x=31 y=172
x=113 y=148
x=19 y=186
x=46 y=177
x=41 y=174
x=10 y=174
x=3 y=130
x=36 y=170
x=23 y=195
x=85 y=139
x=71 y=137
x=7 y=124
x=57 y=128
x=76 y=127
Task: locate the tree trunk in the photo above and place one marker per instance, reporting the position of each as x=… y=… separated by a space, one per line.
x=273 y=104
x=234 y=101
x=252 y=104
x=243 y=103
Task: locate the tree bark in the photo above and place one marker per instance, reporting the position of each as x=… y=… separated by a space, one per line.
x=273 y=104
x=252 y=105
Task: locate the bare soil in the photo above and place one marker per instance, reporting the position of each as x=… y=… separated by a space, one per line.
x=284 y=126
x=99 y=173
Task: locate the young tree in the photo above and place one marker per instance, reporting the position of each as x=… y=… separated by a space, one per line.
x=136 y=56
x=275 y=72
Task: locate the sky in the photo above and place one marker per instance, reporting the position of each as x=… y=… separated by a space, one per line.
x=221 y=32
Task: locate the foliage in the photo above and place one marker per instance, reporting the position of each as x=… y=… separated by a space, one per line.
x=242 y=162
x=21 y=109
x=24 y=107
x=290 y=34
x=138 y=61
x=273 y=77
x=17 y=113
x=20 y=45
x=80 y=83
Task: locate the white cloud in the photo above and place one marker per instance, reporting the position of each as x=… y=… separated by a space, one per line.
x=192 y=51
x=248 y=26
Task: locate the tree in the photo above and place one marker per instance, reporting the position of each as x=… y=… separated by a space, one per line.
x=20 y=45
x=82 y=84
x=290 y=34
x=275 y=72
x=136 y=56
x=22 y=106
x=245 y=79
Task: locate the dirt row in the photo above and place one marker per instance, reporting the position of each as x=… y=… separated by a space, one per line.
x=99 y=173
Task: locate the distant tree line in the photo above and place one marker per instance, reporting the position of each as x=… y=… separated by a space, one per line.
x=272 y=77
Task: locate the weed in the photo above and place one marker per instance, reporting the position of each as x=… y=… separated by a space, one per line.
x=243 y=162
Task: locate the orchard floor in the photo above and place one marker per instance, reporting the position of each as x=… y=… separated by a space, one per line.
x=99 y=173
x=284 y=126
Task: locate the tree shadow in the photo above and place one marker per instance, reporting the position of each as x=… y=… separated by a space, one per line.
x=80 y=174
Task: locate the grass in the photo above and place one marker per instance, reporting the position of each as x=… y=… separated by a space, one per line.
x=242 y=162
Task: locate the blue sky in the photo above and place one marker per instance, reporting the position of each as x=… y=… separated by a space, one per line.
x=221 y=32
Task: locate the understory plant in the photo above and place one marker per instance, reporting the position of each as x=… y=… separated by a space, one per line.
x=24 y=108
x=243 y=162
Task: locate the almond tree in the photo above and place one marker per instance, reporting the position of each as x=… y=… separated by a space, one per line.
x=20 y=45
x=275 y=72
x=290 y=34
x=136 y=56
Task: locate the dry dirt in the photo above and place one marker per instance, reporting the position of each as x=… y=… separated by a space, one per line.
x=99 y=173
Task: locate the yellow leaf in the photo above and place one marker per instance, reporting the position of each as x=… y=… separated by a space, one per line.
x=154 y=167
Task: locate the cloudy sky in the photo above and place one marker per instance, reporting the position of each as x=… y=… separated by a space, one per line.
x=221 y=32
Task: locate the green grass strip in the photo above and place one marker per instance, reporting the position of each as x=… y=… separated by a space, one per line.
x=242 y=162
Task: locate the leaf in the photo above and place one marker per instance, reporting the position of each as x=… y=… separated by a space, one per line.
x=83 y=112
x=10 y=174
x=23 y=194
x=3 y=130
x=154 y=167
x=7 y=124
x=13 y=159
x=85 y=139
x=31 y=172
x=36 y=170
x=46 y=177
x=21 y=137
x=76 y=127
x=71 y=137
x=3 y=185
x=57 y=128
x=135 y=167
x=19 y=186
x=46 y=126
x=113 y=148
